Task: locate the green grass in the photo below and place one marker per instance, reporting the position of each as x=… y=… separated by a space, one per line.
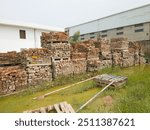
x=133 y=97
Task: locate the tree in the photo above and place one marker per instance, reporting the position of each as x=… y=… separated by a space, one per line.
x=75 y=37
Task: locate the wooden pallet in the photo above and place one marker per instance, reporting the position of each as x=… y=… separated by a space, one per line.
x=105 y=79
x=62 y=107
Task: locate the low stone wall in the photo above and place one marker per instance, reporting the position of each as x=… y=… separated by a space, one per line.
x=11 y=79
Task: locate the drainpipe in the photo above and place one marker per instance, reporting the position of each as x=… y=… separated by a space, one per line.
x=35 y=38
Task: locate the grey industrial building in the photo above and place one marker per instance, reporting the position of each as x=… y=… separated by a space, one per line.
x=133 y=24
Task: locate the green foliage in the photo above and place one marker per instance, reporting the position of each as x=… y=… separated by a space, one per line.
x=75 y=38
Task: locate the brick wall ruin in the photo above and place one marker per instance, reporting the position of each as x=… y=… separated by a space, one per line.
x=58 y=58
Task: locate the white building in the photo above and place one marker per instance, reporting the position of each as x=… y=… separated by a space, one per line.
x=15 y=36
x=133 y=24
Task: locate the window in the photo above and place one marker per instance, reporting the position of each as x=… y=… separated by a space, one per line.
x=138 y=25
x=82 y=35
x=82 y=38
x=119 y=33
x=22 y=34
x=139 y=30
x=121 y=28
x=92 y=37
x=105 y=31
x=104 y=35
x=92 y=33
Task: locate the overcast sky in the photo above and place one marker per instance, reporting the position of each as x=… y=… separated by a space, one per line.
x=63 y=13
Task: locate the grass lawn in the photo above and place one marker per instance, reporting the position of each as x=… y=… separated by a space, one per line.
x=133 y=97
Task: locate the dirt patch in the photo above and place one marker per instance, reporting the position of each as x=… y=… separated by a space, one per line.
x=108 y=100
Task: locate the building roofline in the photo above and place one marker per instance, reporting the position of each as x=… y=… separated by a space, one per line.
x=30 y=25
x=109 y=16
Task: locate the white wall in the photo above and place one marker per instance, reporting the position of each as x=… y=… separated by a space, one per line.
x=10 y=38
x=38 y=34
x=131 y=17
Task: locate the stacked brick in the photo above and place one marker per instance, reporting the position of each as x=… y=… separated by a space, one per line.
x=126 y=56
x=88 y=51
x=38 y=73
x=135 y=49
x=36 y=56
x=10 y=58
x=105 y=53
x=58 y=58
x=61 y=68
x=79 y=66
x=11 y=79
x=58 y=44
x=37 y=64
x=69 y=67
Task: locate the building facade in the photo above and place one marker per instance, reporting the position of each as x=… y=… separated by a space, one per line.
x=133 y=24
x=16 y=36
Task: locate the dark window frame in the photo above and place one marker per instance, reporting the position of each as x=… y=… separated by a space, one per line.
x=119 y=33
x=121 y=28
x=104 y=36
x=22 y=34
x=82 y=38
x=139 y=30
x=104 y=31
x=92 y=37
x=139 y=25
x=82 y=35
x=92 y=33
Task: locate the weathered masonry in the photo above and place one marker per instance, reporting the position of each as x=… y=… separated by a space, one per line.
x=59 y=58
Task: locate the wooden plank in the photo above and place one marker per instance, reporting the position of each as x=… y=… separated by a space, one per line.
x=42 y=110
x=55 y=91
x=50 y=108
x=63 y=108
x=56 y=106
x=91 y=99
x=71 y=109
x=66 y=107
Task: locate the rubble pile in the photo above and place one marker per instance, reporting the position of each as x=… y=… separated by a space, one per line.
x=12 y=78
